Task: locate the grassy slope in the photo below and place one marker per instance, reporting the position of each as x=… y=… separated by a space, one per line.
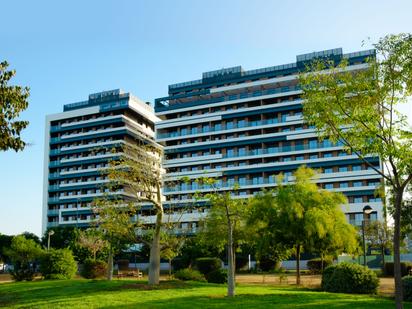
x=104 y=294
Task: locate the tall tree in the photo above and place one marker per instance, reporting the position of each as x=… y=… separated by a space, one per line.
x=379 y=235
x=224 y=224
x=360 y=109
x=92 y=240
x=295 y=216
x=13 y=100
x=138 y=172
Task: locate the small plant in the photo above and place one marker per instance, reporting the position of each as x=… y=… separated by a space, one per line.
x=58 y=264
x=207 y=265
x=188 y=274
x=93 y=269
x=349 y=278
x=407 y=288
x=217 y=276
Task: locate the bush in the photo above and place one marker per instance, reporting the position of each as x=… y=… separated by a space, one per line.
x=188 y=274
x=23 y=271
x=241 y=261
x=407 y=288
x=315 y=265
x=207 y=265
x=349 y=278
x=217 y=276
x=58 y=264
x=389 y=268
x=179 y=263
x=93 y=269
x=268 y=264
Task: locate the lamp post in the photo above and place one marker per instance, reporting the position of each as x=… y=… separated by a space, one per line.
x=50 y=233
x=366 y=211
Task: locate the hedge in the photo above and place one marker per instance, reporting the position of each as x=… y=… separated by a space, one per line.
x=188 y=274
x=349 y=278
x=217 y=276
x=207 y=265
x=92 y=269
x=407 y=288
x=388 y=269
x=315 y=265
x=58 y=264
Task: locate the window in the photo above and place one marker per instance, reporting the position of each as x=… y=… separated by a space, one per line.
x=356 y=168
x=358 y=199
x=328 y=185
x=313 y=156
x=357 y=183
x=327 y=155
x=328 y=170
x=313 y=144
x=343 y=185
x=343 y=169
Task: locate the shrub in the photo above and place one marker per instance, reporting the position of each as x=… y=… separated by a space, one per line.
x=389 y=268
x=315 y=265
x=268 y=264
x=58 y=264
x=241 y=261
x=407 y=288
x=349 y=278
x=23 y=253
x=207 y=265
x=179 y=263
x=217 y=276
x=93 y=269
x=188 y=274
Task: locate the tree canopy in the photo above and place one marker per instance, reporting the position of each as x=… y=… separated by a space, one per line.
x=13 y=100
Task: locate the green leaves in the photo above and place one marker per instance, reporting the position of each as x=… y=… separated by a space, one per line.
x=13 y=100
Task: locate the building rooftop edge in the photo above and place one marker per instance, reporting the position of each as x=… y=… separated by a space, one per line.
x=238 y=70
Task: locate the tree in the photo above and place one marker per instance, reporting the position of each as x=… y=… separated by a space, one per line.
x=13 y=100
x=114 y=221
x=5 y=243
x=139 y=172
x=91 y=239
x=360 y=109
x=226 y=216
x=23 y=253
x=295 y=216
x=171 y=247
x=63 y=237
x=379 y=235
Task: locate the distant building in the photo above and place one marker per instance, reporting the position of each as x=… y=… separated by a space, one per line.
x=246 y=127
x=79 y=143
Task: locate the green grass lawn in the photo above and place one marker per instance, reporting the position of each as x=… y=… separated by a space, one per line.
x=133 y=294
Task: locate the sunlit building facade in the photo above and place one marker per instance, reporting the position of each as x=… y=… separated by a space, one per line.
x=246 y=127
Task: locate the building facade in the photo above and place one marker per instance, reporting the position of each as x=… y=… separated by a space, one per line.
x=79 y=143
x=246 y=127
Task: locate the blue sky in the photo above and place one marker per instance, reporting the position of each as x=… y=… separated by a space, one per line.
x=64 y=50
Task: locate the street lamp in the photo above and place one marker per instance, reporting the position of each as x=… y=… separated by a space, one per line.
x=50 y=233
x=366 y=211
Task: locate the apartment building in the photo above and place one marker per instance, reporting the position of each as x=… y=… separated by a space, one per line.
x=246 y=127
x=79 y=143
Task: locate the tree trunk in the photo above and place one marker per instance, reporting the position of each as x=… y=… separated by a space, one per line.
x=230 y=262
x=170 y=269
x=297 y=264
x=383 y=258
x=154 y=263
x=110 y=264
x=321 y=262
x=398 y=194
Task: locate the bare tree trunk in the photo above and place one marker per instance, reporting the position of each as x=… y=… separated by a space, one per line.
x=231 y=268
x=297 y=264
x=321 y=262
x=383 y=258
x=154 y=263
x=396 y=248
x=170 y=269
x=110 y=264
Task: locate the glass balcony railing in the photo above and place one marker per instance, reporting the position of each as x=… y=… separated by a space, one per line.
x=242 y=95
x=239 y=125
